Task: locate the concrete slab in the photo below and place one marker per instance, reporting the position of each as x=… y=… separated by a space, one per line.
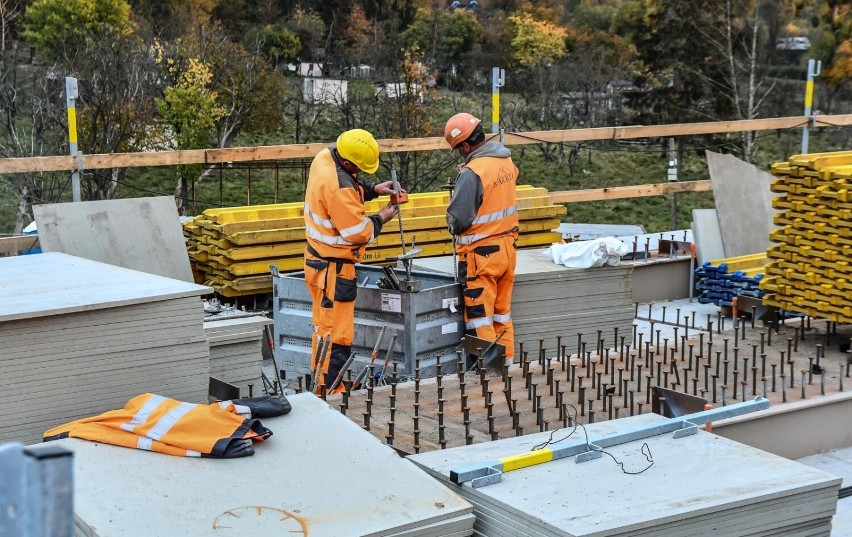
x=836 y=462
x=713 y=475
x=744 y=204
x=841 y=525
x=142 y=234
x=34 y=286
x=321 y=475
x=708 y=235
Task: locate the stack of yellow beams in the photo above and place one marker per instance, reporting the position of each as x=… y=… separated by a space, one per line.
x=750 y=265
x=231 y=249
x=809 y=270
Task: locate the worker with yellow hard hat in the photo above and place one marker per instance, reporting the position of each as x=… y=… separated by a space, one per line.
x=483 y=218
x=338 y=231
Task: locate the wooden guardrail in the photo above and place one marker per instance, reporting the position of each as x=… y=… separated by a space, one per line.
x=279 y=152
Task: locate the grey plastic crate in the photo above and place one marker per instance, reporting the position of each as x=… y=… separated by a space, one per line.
x=428 y=324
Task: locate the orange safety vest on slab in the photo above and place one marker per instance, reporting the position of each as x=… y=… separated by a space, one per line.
x=336 y=225
x=156 y=423
x=498 y=214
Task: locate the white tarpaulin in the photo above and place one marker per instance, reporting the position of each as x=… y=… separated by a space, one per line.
x=586 y=254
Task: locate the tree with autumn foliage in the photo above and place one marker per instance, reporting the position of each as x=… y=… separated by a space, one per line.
x=189 y=107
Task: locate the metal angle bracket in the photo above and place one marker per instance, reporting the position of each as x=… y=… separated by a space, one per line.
x=595 y=452
x=492 y=476
x=689 y=429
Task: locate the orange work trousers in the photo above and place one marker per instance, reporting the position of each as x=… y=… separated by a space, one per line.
x=333 y=288
x=490 y=276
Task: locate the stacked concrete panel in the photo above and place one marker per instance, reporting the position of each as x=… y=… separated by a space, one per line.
x=231 y=249
x=697 y=485
x=235 y=350
x=81 y=337
x=810 y=269
x=551 y=300
x=319 y=474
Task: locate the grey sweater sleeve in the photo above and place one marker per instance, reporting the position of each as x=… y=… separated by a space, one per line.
x=369 y=189
x=467 y=198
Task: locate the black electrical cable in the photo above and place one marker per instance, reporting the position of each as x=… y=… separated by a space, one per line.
x=645 y=450
x=154 y=192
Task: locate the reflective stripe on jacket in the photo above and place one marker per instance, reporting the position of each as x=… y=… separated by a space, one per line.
x=156 y=423
x=498 y=214
x=336 y=225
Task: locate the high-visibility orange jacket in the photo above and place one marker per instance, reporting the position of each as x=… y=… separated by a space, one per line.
x=484 y=205
x=335 y=221
x=156 y=423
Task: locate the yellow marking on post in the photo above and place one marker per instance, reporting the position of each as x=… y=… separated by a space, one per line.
x=72 y=125
x=523 y=460
x=809 y=94
x=495 y=108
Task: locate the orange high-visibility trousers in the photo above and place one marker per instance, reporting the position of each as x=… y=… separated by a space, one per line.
x=333 y=288
x=490 y=271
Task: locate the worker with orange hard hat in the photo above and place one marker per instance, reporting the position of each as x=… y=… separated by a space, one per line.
x=483 y=218
x=338 y=231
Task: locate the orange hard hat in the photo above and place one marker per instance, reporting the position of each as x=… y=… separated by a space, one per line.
x=459 y=128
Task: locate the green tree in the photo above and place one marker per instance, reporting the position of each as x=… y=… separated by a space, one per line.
x=446 y=37
x=668 y=55
x=58 y=28
x=311 y=31
x=278 y=44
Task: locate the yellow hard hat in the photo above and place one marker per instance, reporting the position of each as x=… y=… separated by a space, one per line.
x=360 y=148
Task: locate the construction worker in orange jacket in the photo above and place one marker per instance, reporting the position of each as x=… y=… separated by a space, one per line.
x=337 y=232
x=483 y=218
